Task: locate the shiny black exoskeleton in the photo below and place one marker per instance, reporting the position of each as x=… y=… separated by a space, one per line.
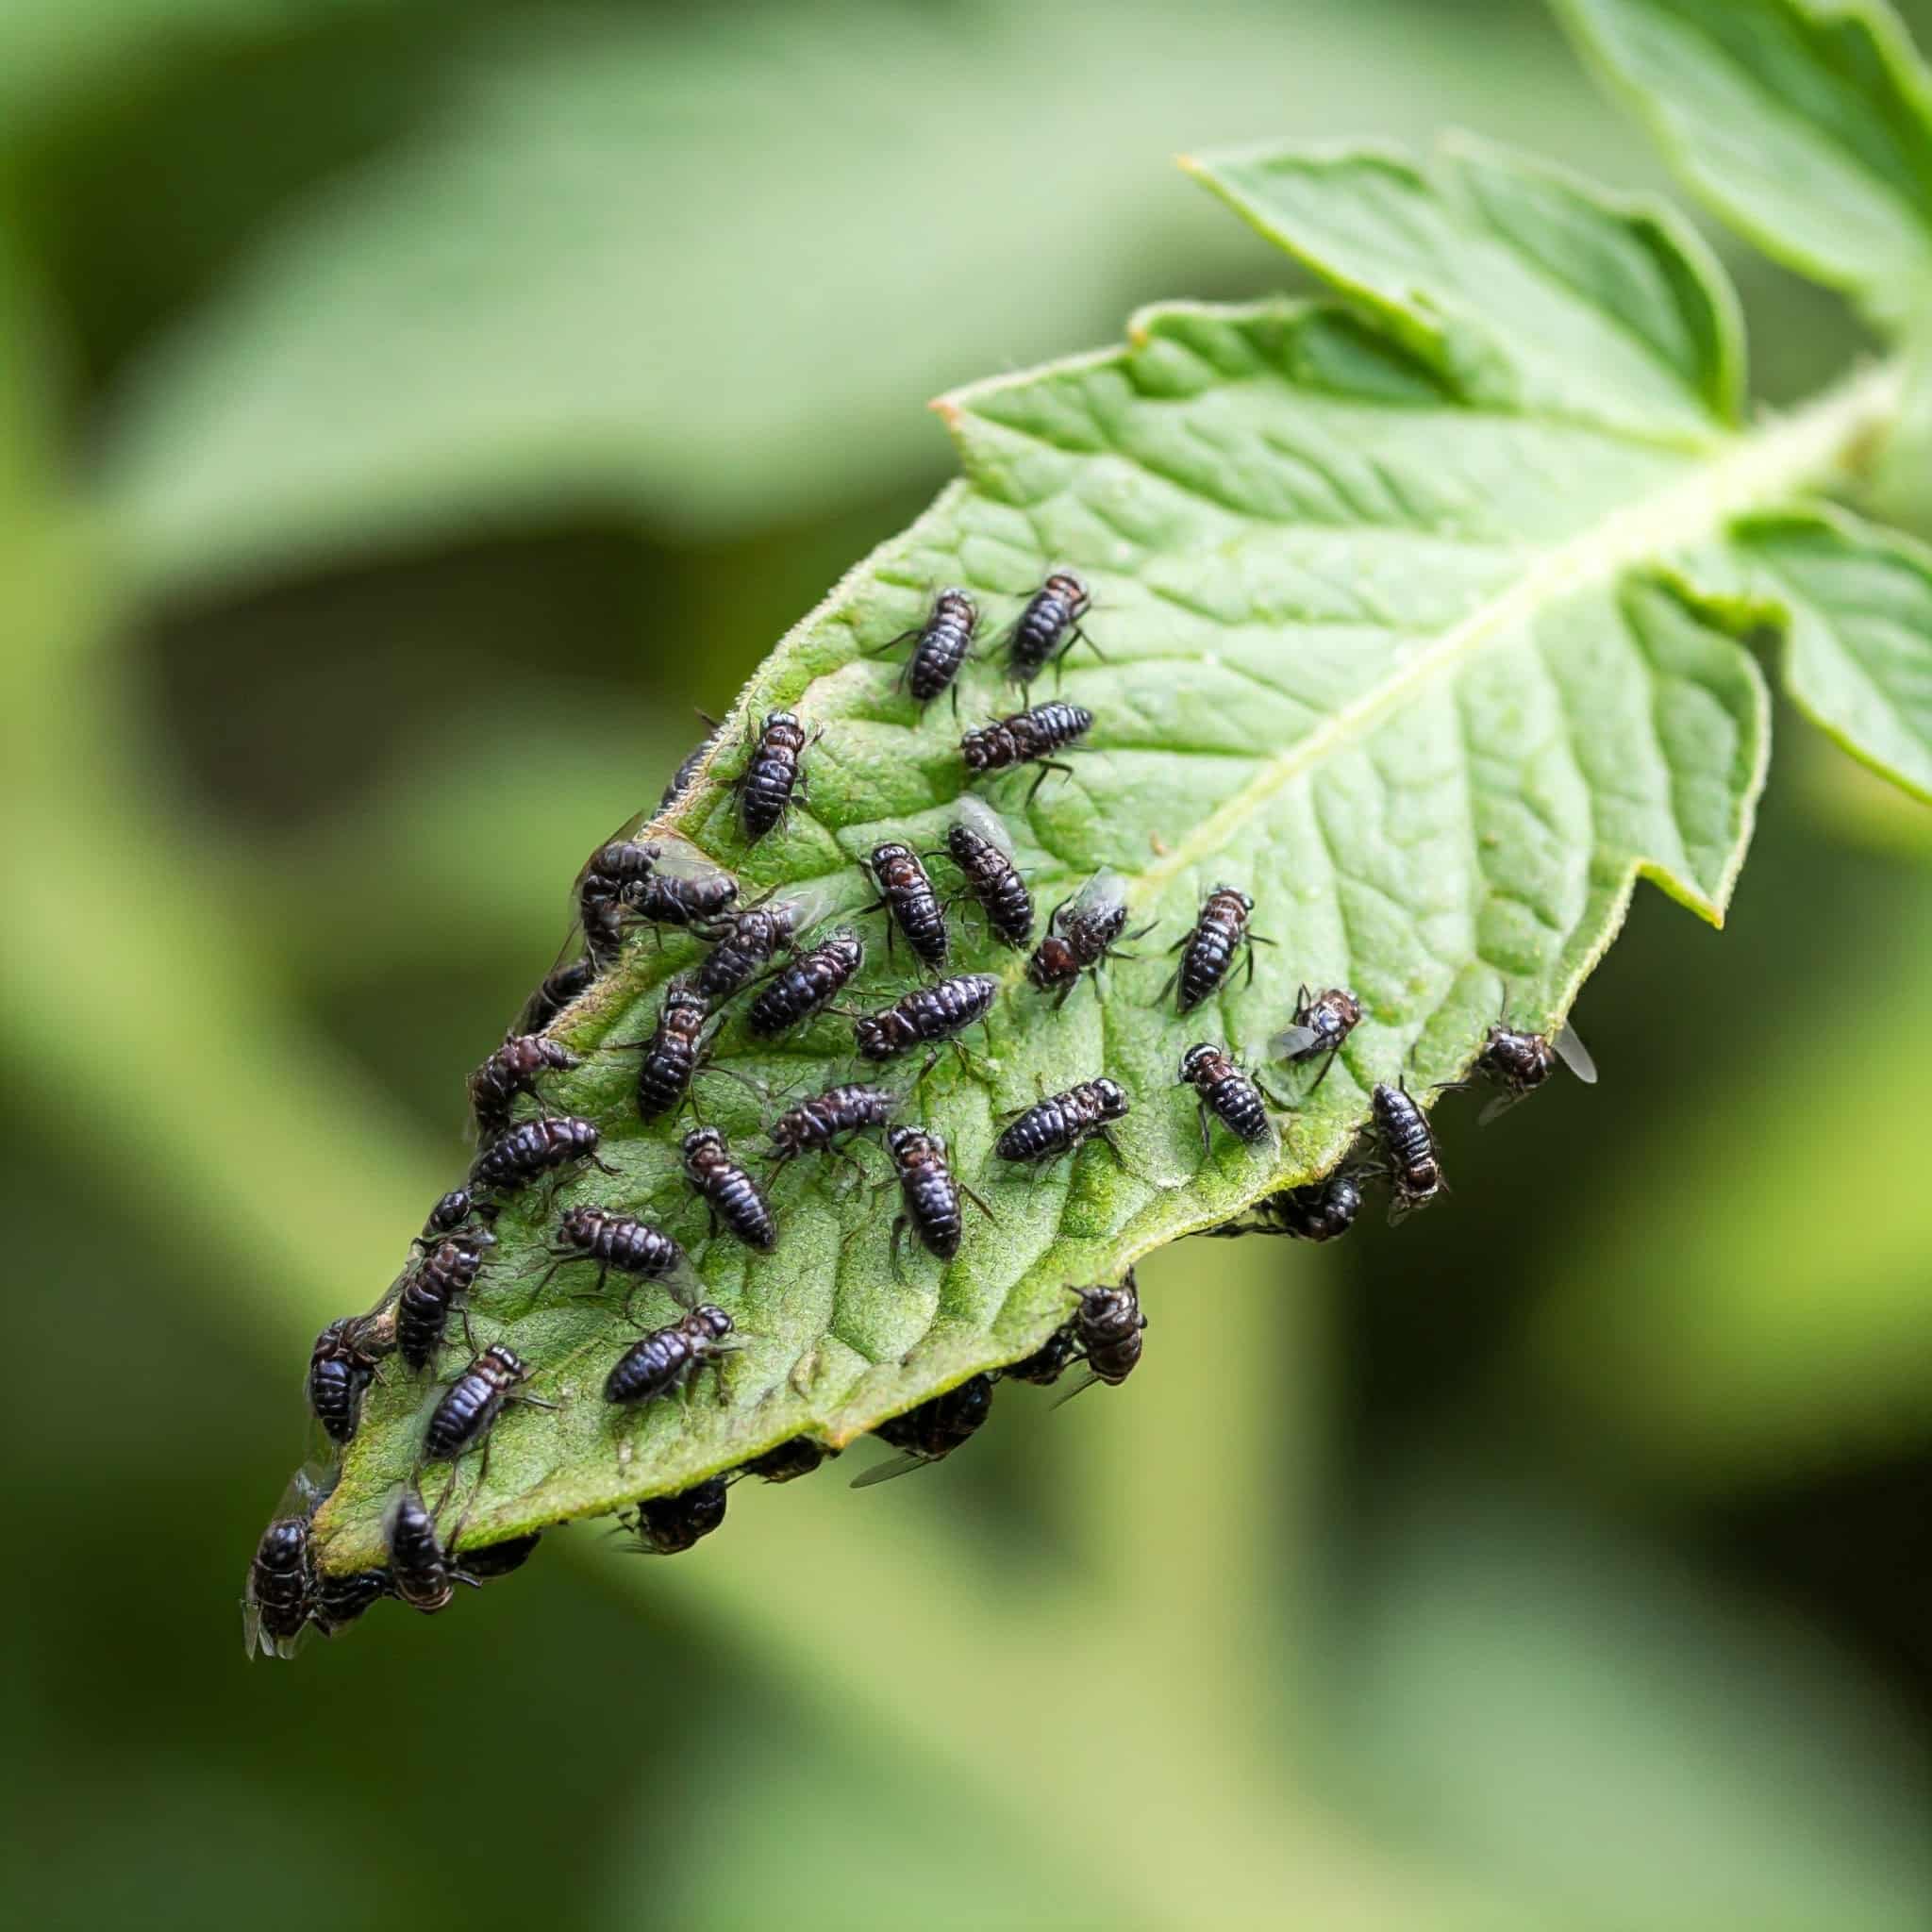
x=817 y=1126
x=472 y=1403
x=1407 y=1144
x=990 y=875
x=772 y=778
x=1520 y=1062
x=615 y=874
x=929 y=1191
x=1323 y=1022
x=1060 y=1123
x=339 y=1374
x=419 y=1567
x=429 y=1292
x=667 y=1358
x=514 y=1068
x=730 y=1193
x=1081 y=935
x=681 y=778
x=447 y=1215
x=672 y=1053
x=630 y=1246
x=669 y=1525
x=906 y=895
x=790 y=1459
x=281 y=1587
x=1108 y=1325
x=744 y=944
x=671 y=899
x=936 y=1428
x=925 y=1016
x=1048 y=626
x=806 y=985
x=499 y=1559
x=556 y=991
x=945 y=640
x=1047 y=1363
x=1211 y=947
x=1226 y=1093
x=534 y=1148
x=340 y=1600
x=1322 y=1211
x=1027 y=738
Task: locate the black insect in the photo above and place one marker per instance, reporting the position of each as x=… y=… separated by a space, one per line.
x=1060 y=1123
x=430 y=1290
x=905 y=894
x=931 y=1431
x=819 y=1125
x=1323 y=1022
x=773 y=773
x=533 y=1148
x=672 y=1053
x=339 y=1372
x=1408 y=1145
x=669 y=1525
x=1047 y=1363
x=667 y=1358
x=610 y=881
x=790 y=1459
x=472 y=1403
x=280 y=1591
x=1322 y=1211
x=698 y=900
x=681 y=778
x=499 y=1559
x=978 y=845
x=615 y=1241
x=749 y=939
x=730 y=1193
x=1082 y=934
x=806 y=985
x=514 y=1068
x=1218 y=937
x=419 y=1567
x=925 y=1016
x=340 y=1600
x=1027 y=738
x=558 y=990
x=1521 y=1062
x=945 y=640
x=1048 y=628
x=1108 y=1325
x=1225 y=1093
x=930 y=1193
x=448 y=1215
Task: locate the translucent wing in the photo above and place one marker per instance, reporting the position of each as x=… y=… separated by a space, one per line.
x=1292 y=1041
x=884 y=1471
x=977 y=816
x=1079 y=1387
x=1575 y=1056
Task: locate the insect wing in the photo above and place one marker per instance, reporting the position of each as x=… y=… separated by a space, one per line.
x=1102 y=895
x=903 y=1464
x=1079 y=1387
x=977 y=816
x=1292 y=1043
x=1575 y=1056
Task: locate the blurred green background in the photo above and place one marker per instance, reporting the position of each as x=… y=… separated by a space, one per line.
x=409 y=412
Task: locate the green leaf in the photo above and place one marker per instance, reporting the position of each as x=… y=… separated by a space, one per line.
x=1806 y=124
x=1390 y=642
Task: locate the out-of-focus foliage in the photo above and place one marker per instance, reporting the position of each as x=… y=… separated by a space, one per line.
x=281 y=859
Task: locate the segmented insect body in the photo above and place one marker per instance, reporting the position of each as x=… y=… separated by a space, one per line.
x=448 y=1214
x=1210 y=948
x=419 y=1567
x=732 y=1194
x=744 y=944
x=1108 y=1325
x=556 y=991
x=765 y=791
x=611 y=878
x=666 y=1358
x=671 y=899
x=1520 y=1061
x=499 y=1559
x=672 y=1053
x=681 y=778
x=617 y=1240
x=1408 y=1145
x=930 y=1193
x=945 y=640
x=1047 y=626
x=281 y=1587
x=1225 y=1091
x=976 y=841
x=1047 y=1363
x=925 y=1016
x=472 y=1403
x=935 y=1429
x=1323 y=1022
x=1322 y=1211
x=429 y=1292
x=806 y=985
x=340 y=1600
x=790 y=1459
x=906 y=892
x=669 y=1525
x=1025 y=738
x=514 y=1068
x=339 y=1374
x=1079 y=936
x=1062 y=1120
x=817 y=1126
x=532 y=1148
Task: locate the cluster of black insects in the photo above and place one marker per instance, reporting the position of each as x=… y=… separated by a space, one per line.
x=630 y=885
